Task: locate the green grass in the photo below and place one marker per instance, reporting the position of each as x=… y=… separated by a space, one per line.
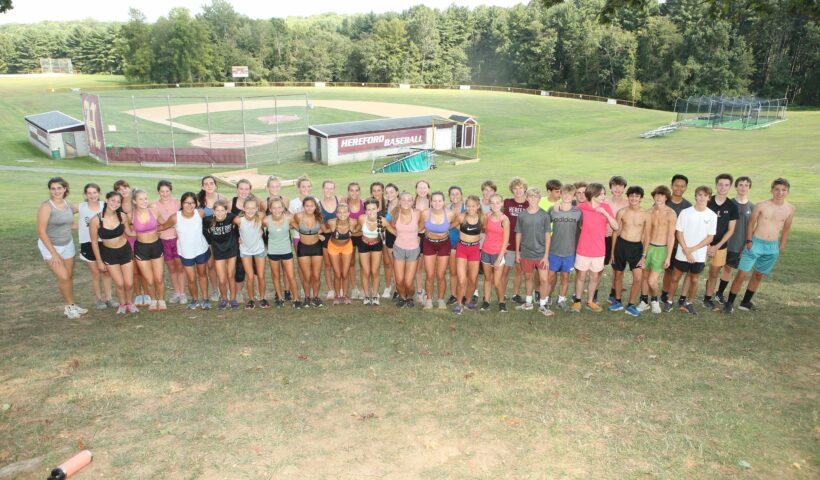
x=361 y=393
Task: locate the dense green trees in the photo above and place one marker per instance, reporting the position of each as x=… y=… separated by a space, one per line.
x=643 y=50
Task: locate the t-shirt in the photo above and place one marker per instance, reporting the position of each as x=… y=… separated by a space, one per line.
x=223 y=236
x=512 y=209
x=533 y=228
x=678 y=207
x=591 y=242
x=565 y=229
x=726 y=212
x=695 y=226
x=546 y=204
x=744 y=213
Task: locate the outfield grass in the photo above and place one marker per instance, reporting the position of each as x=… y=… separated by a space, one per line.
x=351 y=392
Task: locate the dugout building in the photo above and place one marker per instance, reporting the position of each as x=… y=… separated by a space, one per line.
x=57 y=135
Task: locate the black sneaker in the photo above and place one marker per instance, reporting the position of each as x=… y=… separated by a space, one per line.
x=317 y=302
x=474 y=299
x=452 y=300
x=517 y=299
x=485 y=305
x=395 y=295
x=536 y=296
x=667 y=307
x=728 y=308
x=297 y=305
x=690 y=308
x=720 y=299
x=747 y=307
x=250 y=305
x=410 y=303
x=288 y=296
x=280 y=303
x=502 y=307
x=400 y=303
x=264 y=303
x=710 y=305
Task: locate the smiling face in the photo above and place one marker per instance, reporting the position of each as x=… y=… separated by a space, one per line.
x=113 y=202
x=243 y=190
x=437 y=202
x=519 y=190
x=251 y=208
x=487 y=192
x=581 y=194
x=533 y=198
x=679 y=187
x=567 y=197
x=372 y=211
x=635 y=200
x=189 y=205
x=124 y=190
x=354 y=191
x=617 y=190
x=422 y=188
x=472 y=207
x=141 y=200
x=164 y=193
x=392 y=193
x=274 y=186
x=406 y=201
x=376 y=191
x=342 y=212
x=702 y=198
x=496 y=203
x=780 y=192
x=455 y=196
x=220 y=212
x=660 y=199
x=92 y=195
x=304 y=188
x=310 y=208
x=277 y=209
x=209 y=185
x=327 y=189
x=723 y=186
x=743 y=188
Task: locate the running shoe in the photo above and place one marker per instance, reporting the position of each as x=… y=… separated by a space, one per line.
x=400 y=303
x=375 y=300
x=234 y=305
x=146 y=299
x=428 y=304
x=162 y=306
x=280 y=304
x=223 y=304
x=70 y=312
x=331 y=294
x=205 y=304
x=474 y=299
x=395 y=295
x=139 y=300
x=710 y=305
x=317 y=303
x=545 y=311
x=643 y=306
x=615 y=306
x=690 y=308
x=288 y=296
x=667 y=307
x=101 y=305
x=562 y=304
x=720 y=299
x=485 y=305
x=174 y=299
x=153 y=305
x=442 y=305
x=593 y=307
x=525 y=307
x=517 y=299
x=728 y=308
x=264 y=303
x=193 y=304
x=112 y=303
x=121 y=310
x=78 y=309
x=410 y=303
x=576 y=307
x=452 y=300
x=612 y=300
x=471 y=305
x=632 y=310
x=656 y=307
x=183 y=299
x=420 y=296
x=386 y=293
x=131 y=308
x=214 y=296
x=747 y=307
x=346 y=300
x=502 y=307
x=536 y=296
x=337 y=300
x=458 y=309
x=366 y=301
x=250 y=305
x=297 y=305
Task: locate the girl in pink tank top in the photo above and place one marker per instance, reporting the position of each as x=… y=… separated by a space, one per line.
x=167 y=206
x=492 y=253
x=406 y=225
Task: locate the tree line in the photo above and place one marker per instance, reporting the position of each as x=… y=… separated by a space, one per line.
x=649 y=52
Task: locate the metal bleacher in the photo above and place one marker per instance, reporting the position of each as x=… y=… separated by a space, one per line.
x=662 y=131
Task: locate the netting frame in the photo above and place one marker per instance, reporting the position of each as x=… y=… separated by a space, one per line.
x=56 y=65
x=731 y=113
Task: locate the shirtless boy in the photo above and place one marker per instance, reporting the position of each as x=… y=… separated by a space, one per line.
x=629 y=246
x=661 y=243
x=677 y=203
x=616 y=202
x=737 y=243
x=770 y=219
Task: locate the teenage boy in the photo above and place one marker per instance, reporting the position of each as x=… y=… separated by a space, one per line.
x=770 y=219
x=738 y=241
x=678 y=204
x=512 y=208
x=661 y=245
x=532 y=245
x=616 y=202
x=726 y=211
x=580 y=193
x=630 y=244
x=696 y=228
x=589 y=256
x=553 y=195
x=566 y=222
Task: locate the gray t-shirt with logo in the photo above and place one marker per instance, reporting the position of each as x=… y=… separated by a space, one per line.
x=738 y=239
x=533 y=228
x=566 y=226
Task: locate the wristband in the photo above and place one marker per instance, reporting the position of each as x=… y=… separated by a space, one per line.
x=748 y=241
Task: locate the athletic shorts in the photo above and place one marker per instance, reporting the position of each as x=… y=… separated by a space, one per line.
x=261 y=254
x=468 y=251
x=303 y=250
x=655 y=258
x=198 y=260
x=762 y=256
x=365 y=247
x=527 y=265
x=389 y=239
x=509 y=259
x=116 y=256
x=324 y=242
x=489 y=258
x=627 y=253
x=402 y=255
x=278 y=257
x=66 y=251
x=561 y=264
x=224 y=255
x=733 y=258
x=608 y=254
x=169 y=249
x=439 y=248
x=592 y=264
x=147 y=251
x=719 y=259
x=687 y=267
x=357 y=240
x=87 y=253
x=334 y=249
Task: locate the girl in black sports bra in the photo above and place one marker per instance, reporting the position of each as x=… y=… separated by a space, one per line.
x=309 y=249
x=114 y=253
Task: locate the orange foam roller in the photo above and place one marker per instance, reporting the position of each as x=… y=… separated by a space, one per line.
x=71 y=466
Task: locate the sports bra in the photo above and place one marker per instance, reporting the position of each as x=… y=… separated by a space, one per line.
x=470 y=228
x=149 y=226
x=305 y=230
x=355 y=215
x=209 y=211
x=340 y=236
x=110 y=233
x=431 y=227
x=327 y=215
x=367 y=232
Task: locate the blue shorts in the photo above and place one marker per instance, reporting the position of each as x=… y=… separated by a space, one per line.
x=199 y=260
x=561 y=264
x=761 y=257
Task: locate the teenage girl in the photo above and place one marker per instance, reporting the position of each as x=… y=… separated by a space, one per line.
x=468 y=253
x=222 y=234
x=280 y=250
x=207 y=196
x=243 y=191
x=100 y=281
x=456 y=207
x=252 y=250
x=327 y=206
x=497 y=234
x=339 y=232
x=54 y=221
x=370 y=250
x=167 y=205
x=391 y=194
x=274 y=188
x=356 y=206
x=193 y=249
x=109 y=242
x=124 y=188
x=309 y=250
x=304 y=186
x=406 y=224
x=421 y=202
x=148 y=249
x=436 y=248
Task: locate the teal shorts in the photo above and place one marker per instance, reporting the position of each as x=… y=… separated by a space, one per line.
x=761 y=257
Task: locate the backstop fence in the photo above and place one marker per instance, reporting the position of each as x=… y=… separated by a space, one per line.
x=244 y=130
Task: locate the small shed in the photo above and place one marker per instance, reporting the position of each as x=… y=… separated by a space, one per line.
x=57 y=134
x=465 y=131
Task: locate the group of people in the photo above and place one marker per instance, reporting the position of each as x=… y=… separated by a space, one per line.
x=422 y=241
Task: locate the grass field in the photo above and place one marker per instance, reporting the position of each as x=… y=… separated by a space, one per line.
x=355 y=392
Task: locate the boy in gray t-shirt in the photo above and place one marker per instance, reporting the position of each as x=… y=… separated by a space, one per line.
x=532 y=241
x=566 y=226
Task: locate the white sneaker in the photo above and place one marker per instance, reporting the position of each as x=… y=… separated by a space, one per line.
x=366 y=301
x=375 y=300
x=182 y=299
x=121 y=310
x=69 y=312
x=132 y=308
x=387 y=293
x=214 y=296
x=420 y=296
x=642 y=307
x=138 y=300
x=147 y=299
x=331 y=294
x=78 y=309
x=656 y=307
x=428 y=304
x=174 y=298
x=442 y=304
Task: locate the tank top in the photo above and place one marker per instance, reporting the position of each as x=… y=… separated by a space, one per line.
x=407 y=234
x=250 y=237
x=86 y=215
x=149 y=226
x=165 y=211
x=355 y=215
x=279 y=237
x=431 y=227
x=110 y=233
x=190 y=241
x=495 y=236
x=58 y=228
x=327 y=215
x=209 y=211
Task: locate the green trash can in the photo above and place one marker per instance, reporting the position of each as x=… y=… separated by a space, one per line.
x=55 y=153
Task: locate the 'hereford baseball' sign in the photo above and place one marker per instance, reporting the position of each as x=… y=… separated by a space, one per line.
x=383 y=140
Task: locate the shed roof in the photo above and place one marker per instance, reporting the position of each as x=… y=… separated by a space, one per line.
x=53 y=121
x=328 y=130
x=462 y=118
